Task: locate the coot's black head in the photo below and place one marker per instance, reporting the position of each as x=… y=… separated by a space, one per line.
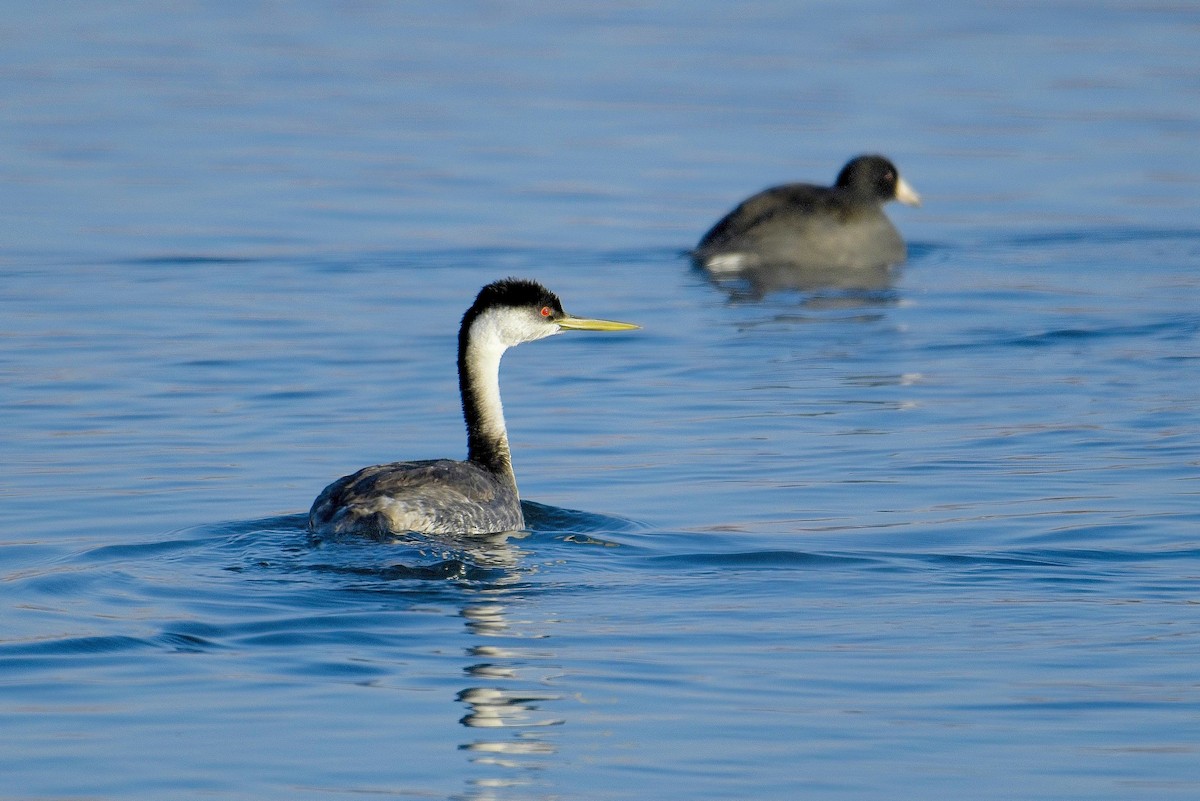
x=877 y=179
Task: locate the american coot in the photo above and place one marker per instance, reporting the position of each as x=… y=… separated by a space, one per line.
x=444 y=496
x=826 y=232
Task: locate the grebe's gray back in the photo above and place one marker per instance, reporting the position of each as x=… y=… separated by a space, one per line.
x=445 y=496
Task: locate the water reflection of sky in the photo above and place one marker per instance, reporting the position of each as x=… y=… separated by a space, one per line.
x=137 y=132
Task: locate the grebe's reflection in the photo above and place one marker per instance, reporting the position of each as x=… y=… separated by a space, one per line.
x=508 y=701
x=511 y=674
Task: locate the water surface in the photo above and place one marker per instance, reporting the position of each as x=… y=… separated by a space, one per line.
x=933 y=540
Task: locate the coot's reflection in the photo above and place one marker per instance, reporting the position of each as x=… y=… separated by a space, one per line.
x=753 y=284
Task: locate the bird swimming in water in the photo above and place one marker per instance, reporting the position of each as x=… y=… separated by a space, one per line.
x=826 y=231
x=446 y=496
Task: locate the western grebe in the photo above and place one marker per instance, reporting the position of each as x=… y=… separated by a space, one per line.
x=445 y=496
x=810 y=227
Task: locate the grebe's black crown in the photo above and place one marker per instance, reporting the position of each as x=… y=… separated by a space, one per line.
x=515 y=292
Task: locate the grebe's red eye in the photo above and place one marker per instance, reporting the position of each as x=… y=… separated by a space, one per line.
x=547 y=311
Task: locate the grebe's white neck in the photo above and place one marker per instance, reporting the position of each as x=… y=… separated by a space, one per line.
x=481 y=345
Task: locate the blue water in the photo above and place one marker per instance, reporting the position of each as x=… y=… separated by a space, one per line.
x=935 y=540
